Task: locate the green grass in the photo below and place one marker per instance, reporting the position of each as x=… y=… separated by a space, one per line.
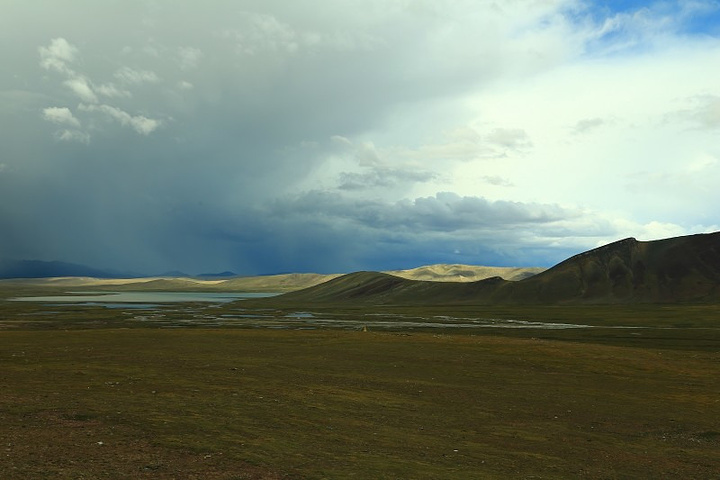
x=241 y=403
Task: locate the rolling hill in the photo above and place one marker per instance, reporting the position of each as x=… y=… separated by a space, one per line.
x=464 y=273
x=674 y=270
x=269 y=283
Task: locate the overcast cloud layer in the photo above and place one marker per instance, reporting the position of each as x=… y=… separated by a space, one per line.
x=330 y=136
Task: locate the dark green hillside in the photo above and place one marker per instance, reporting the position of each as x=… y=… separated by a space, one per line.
x=680 y=269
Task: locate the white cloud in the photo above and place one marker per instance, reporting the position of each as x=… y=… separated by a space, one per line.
x=462 y=144
x=72 y=131
x=111 y=90
x=81 y=87
x=653 y=230
x=698 y=174
x=67 y=135
x=189 y=57
x=261 y=32
x=497 y=180
x=57 y=55
x=340 y=140
x=131 y=76
x=144 y=125
x=459 y=150
x=703 y=163
x=139 y=123
x=704 y=113
x=588 y=124
x=510 y=138
x=61 y=115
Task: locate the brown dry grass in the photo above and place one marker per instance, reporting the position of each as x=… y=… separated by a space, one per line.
x=199 y=403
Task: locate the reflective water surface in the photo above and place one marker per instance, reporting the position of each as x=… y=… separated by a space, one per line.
x=207 y=309
x=148 y=299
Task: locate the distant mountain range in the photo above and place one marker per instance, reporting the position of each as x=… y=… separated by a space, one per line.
x=680 y=269
x=41 y=269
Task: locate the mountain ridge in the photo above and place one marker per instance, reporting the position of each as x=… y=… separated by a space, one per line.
x=10 y=269
x=673 y=270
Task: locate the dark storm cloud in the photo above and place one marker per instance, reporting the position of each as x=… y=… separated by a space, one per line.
x=355 y=233
x=444 y=212
x=158 y=125
x=238 y=135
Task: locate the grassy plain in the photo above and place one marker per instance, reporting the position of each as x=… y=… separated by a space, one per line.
x=95 y=393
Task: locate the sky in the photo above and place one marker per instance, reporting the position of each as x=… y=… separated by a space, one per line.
x=266 y=136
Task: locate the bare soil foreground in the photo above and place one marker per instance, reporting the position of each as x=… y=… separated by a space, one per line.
x=107 y=398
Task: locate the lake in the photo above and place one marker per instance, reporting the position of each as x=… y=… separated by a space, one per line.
x=140 y=299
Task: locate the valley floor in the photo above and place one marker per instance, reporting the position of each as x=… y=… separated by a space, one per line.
x=108 y=397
